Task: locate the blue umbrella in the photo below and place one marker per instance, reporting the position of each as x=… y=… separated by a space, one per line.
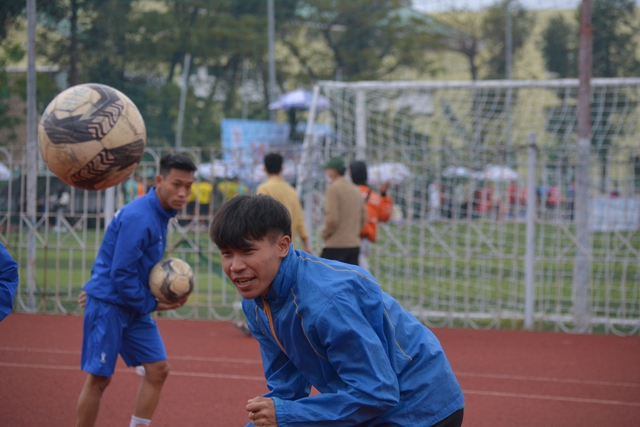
x=298 y=99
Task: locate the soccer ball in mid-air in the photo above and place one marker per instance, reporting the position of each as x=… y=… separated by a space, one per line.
x=92 y=136
x=171 y=279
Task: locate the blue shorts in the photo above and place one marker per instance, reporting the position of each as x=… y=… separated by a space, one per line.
x=110 y=330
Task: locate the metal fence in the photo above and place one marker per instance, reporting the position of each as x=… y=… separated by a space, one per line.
x=482 y=236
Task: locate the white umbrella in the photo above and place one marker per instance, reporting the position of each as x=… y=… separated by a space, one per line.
x=217 y=169
x=298 y=99
x=456 y=171
x=499 y=173
x=395 y=173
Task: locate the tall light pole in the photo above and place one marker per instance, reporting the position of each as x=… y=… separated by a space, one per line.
x=271 y=29
x=183 y=98
x=508 y=41
x=582 y=266
x=508 y=47
x=31 y=152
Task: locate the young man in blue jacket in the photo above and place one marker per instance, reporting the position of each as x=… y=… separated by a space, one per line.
x=329 y=325
x=118 y=300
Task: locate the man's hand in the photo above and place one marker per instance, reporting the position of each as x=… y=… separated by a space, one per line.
x=162 y=306
x=262 y=411
x=384 y=187
x=82 y=299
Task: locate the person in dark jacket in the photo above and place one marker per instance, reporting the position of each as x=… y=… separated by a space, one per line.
x=327 y=324
x=118 y=300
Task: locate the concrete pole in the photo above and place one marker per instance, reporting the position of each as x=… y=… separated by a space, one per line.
x=109 y=205
x=530 y=245
x=508 y=47
x=183 y=98
x=582 y=264
x=508 y=41
x=31 y=152
x=272 y=56
x=361 y=125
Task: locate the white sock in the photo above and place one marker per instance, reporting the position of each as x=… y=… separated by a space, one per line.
x=139 y=422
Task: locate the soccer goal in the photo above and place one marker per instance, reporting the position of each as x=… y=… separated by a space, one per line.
x=455 y=250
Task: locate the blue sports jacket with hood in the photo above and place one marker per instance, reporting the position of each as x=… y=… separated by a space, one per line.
x=335 y=329
x=134 y=242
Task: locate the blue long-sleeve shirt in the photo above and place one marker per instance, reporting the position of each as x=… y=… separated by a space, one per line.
x=373 y=362
x=134 y=242
x=9 y=280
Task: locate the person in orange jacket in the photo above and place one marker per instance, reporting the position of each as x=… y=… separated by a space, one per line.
x=379 y=209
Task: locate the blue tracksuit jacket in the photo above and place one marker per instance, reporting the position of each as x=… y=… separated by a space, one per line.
x=372 y=361
x=8 y=281
x=133 y=243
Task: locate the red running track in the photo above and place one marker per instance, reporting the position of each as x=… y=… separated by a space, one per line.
x=510 y=378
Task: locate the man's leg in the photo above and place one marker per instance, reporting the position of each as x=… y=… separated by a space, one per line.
x=89 y=400
x=149 y=392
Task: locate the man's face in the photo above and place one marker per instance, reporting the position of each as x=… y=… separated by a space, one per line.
x=174 y=189
x=331 y=174
x=253 y=268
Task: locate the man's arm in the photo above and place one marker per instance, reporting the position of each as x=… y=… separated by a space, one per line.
x=8 y=281
x=132 y=243
x=331 y=214
x=366 y=384
x=300 y=227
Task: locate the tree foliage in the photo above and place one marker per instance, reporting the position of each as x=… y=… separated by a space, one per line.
x=481 y=37
x=615 y=42
x=494 y=34
x=367 y=39
x=467 y=40
x=140 y=47
x=559 y=47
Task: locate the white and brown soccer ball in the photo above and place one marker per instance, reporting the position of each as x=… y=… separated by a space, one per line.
x=92 y=136
x=171 y=279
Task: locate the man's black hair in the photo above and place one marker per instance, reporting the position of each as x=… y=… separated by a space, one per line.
x=249 y=217
x=176 y=161
x=358 y=171
x=273 y=163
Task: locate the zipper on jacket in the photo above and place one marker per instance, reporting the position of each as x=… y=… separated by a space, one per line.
x=267 y=310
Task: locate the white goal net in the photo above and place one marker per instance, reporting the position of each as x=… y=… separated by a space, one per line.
x=455 y=251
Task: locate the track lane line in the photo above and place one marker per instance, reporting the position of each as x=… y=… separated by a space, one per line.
x=553 y=398
x=260 y=378
x=547 y=379
x=192 y=358
x=131 y=371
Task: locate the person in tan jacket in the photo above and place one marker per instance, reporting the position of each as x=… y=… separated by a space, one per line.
x=276 y=187
x=344 y=215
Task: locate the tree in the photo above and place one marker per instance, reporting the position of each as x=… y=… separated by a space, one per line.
x=615 y=48
x=615 y=42
x=365 y=39
x=559 y=47
x=494 y=34
x=12 y=18
x=467 y=38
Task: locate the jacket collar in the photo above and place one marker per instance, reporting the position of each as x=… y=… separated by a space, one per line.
x=281 y=286
x=339 y=178
x=155 y=202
